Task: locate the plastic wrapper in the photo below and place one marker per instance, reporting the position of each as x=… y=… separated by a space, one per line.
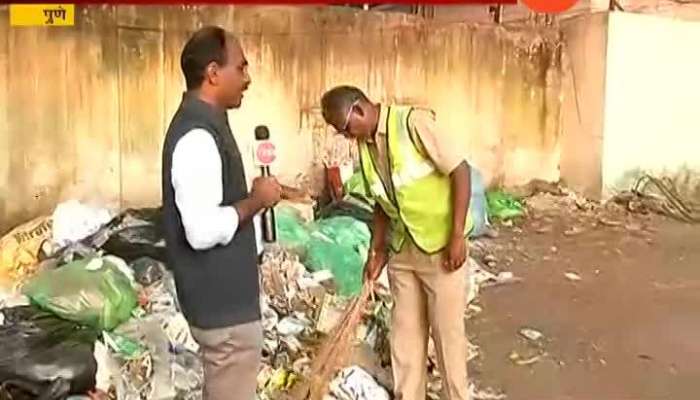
x=94 y=292
x=43 y=357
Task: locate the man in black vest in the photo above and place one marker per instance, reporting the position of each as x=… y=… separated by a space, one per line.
x=207 y=210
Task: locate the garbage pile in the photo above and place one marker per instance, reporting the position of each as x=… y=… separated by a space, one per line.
x=88 y=306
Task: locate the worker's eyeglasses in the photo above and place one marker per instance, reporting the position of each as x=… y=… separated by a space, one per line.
x=347 y=118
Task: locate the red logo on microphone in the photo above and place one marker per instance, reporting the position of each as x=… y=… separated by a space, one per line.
x=549 y=6
x=265 y=153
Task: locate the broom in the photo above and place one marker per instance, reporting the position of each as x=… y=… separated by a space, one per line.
x=337 y=347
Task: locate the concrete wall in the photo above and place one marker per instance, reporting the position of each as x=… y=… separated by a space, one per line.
x=652 y=101
x=83 y=110
x=583 y=108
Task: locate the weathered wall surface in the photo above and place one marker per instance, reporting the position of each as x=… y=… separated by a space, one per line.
x=583 y=107
x=652 y=101
x=83 y=110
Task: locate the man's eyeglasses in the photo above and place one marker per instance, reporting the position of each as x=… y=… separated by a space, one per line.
x=347 y=118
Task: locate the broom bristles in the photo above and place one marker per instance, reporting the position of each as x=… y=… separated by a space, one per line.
x=337 y=347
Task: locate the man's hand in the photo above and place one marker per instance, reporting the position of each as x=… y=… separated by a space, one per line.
x=455 y=254
x=267 y=191
x=375 y=264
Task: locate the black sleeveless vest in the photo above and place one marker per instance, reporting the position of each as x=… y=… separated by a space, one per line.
x=218 y=287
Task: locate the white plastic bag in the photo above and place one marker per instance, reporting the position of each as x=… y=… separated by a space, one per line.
x=73 y=222
x=354 y=383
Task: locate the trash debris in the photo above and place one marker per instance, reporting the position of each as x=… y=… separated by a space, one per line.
x=661 y=196
x=73 y=222
x=573 y=231
x=503 y=206
x=337 y=347
x=94 y=292
x=531 y=334
x=518 y=360
x=478 y=204
x=354 y=383
x=44 y=357
x=485 y=394
x=147 y=271
x=572 y=276
x=290 y=326
x=292 y=233
x=136 y=234
x=20 y=251
x=339 y=244
x=609 y=222
x=141 y=343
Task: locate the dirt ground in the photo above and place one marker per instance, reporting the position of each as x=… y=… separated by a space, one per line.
x=628 y=329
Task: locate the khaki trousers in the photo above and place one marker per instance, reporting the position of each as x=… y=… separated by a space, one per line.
x=231 y=358
x=426 y=296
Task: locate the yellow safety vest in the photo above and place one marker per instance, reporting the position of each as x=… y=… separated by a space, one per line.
x=423 y=201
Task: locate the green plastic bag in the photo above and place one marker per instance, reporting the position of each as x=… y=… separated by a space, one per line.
x=292 y=234
x=356 y=186
x=92 y=292
x=503 y=206
x=340 y=245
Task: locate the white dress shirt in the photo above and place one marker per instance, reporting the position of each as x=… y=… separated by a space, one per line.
x=197 y=181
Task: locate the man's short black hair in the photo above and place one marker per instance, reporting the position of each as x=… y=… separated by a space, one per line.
x=206 y=45
x=338 y=100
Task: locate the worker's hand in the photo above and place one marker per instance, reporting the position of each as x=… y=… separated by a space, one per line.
x=267 y=191
x=455 y=254
x=376 y=260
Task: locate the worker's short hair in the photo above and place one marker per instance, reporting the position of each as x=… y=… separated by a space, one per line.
x=206 y=45
x=338 y=100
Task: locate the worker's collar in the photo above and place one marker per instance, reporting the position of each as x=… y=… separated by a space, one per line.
x=381 y=124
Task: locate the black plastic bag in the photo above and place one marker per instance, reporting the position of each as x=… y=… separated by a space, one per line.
x=350 y=206
x=136 y=234
x=43 y=357
x=147 y=271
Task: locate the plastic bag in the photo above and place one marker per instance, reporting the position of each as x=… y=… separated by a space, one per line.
x=92 y=292
x=136 y=234
x=292 y=234
x=44 y=357
x=349 y=206
x=356 y=186
x=354 y=383
x=148 y=271
x=73 y=222
x=20 y=251
x=478 y=206
x=340 y=245
x=503 y=206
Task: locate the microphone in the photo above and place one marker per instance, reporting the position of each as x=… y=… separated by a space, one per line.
x=264 y=155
